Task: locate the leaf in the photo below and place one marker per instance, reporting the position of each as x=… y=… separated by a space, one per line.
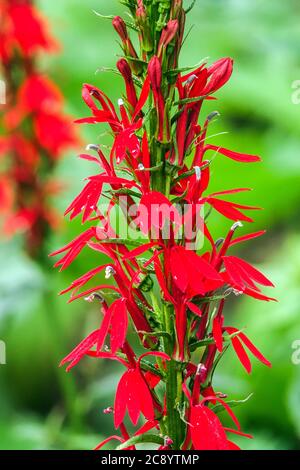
x=141 y=439
x=231 y=403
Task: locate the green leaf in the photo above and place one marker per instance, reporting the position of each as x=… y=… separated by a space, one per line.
x=144 y=438
x=190 y=7
x=111 y=17
x=208 y=341
x=231 y=403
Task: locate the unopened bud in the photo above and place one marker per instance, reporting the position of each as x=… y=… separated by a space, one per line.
x=220 y=73
x=124 y=69
x=155 y=74
x=120 y=102
x=120 y=26
x=167 y=35
x=177 y=8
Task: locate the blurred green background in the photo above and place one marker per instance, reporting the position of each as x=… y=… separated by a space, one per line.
x=41 y=406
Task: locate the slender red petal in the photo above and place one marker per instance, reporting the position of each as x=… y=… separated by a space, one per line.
x=217 y=334
x=239 y=157
x=119 y=325
x=247 y=237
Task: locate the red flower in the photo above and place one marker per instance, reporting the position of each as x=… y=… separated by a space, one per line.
x=192 y=273
x=25 y=29
x=133 y=394
x=243 y=277
x=238 y=343
x=174 y=293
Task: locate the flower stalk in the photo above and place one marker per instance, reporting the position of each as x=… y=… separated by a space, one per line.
x=172 y=288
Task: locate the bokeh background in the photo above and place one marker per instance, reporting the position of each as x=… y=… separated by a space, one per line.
x=42 y=407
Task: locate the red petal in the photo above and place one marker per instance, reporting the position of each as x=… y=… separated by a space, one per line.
x=120 y=400
x=77 y=354
x=139 y=250
x=217 y=334
x=239 y=157
x=244 y=238
x=254 y=350
x=119 y=325
x=206 y=430
x=196 y=310
x=253 y=273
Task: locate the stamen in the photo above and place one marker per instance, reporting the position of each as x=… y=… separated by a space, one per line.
x=236 y=225
x=237 y=293
x=94 y=296
x=219 y=242
x=109 y=271
x=213 y=115
x=141 y=167
x=93 y=147
x=120 y=102
x=197 y=172
x=191 y=79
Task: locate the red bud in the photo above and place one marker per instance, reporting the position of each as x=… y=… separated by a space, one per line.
x=167 y=35
x=220 y=72
x=120 y=27
x=125 y=70
x=155 y=75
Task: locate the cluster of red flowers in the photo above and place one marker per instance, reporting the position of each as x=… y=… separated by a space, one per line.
x=34 y=129
x=172 y=292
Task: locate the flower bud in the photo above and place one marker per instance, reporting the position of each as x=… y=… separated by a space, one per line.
x=126 y=73
x=142 y=19
x=220 y=72
x=177 y=8
x=167 y=36
x=120 y=26
x=155 y=75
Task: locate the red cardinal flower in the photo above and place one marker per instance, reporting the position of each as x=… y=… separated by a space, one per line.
x=24 y=29
x=133 y=394
x=172 y=290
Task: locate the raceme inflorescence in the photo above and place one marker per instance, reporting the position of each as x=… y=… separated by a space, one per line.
x=164 y=275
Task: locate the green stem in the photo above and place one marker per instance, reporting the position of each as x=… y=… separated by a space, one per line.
x=174 y=425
